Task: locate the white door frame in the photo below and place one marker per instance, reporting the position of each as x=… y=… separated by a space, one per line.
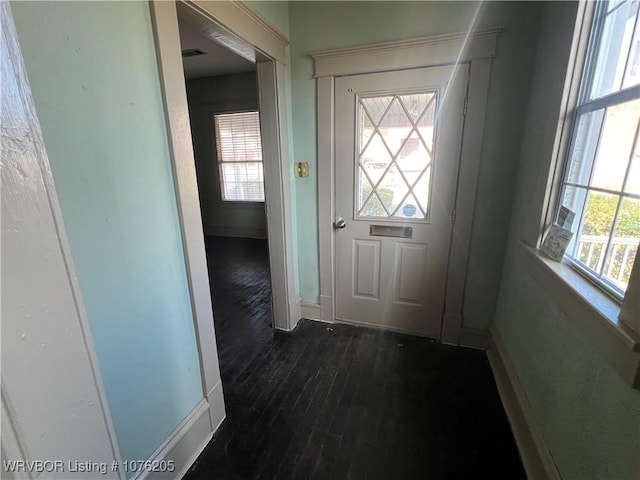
x=239 y=20
x=475 y=48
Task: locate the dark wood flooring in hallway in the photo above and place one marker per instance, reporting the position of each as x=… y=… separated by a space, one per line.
x=342 y=402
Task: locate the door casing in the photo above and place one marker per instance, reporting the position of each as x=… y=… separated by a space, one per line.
x=477 y=48
x=245 y=26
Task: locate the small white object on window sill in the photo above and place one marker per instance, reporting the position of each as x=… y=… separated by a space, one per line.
x=556 y=242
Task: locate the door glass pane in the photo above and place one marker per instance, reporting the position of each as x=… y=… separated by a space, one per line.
x=376 y=107
x=395 y=154
x=375 y=158
x=374 y=207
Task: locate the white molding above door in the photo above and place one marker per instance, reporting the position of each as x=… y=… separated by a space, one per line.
x=475 y=48
x=404 y=54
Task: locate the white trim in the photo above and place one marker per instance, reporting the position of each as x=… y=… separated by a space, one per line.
x=478 y=339
x=536 y=457
x=376 y=326
x=182 y=446
x=326 y=192
x=630 y=308
x=310 y=311
x=416 y=52
x=451 y=325
x=479 y=75
x=83 y=317
x=477 y=48
x=278 y=175
x=556 y=141
x=13 y=443
x=167 y=39
x=469 y=338
x=593 y=312
x=240 y=20
x=217 y=412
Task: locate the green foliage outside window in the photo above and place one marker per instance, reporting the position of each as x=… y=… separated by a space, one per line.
x=374 y=208
x=600 y=212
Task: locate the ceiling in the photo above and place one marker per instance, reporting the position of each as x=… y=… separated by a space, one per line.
x=217 y=60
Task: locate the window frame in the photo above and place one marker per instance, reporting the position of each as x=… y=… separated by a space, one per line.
x=580 y=73
x=220 y=162
x=595 y=314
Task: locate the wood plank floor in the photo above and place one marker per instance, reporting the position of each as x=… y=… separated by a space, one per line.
x=342 y=402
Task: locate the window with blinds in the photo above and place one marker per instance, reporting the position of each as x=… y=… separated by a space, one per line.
x=240 y=156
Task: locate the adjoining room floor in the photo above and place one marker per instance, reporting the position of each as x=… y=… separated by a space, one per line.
x=343 y=402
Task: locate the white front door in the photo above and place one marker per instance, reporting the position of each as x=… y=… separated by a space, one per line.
x=398 y=137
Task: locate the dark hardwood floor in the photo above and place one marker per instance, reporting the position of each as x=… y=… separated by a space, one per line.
x=342 y=402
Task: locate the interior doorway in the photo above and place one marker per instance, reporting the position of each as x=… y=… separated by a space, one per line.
x=237 y=28
x=219 y=19
x=224 y=112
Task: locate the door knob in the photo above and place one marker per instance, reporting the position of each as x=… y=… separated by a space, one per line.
x=340 y=223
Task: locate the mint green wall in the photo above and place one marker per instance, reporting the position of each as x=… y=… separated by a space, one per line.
x=274 y=12
x=589 y=417
x=92 y=68
x=321 y=25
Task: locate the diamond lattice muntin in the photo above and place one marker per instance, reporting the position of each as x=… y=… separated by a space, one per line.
x=395 y=143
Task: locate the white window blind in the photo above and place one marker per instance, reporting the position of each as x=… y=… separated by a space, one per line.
x=240 y=156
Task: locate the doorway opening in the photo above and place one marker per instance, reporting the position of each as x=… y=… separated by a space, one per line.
x=224 y=111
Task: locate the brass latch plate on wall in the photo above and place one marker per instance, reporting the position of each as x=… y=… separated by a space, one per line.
x=301 y=169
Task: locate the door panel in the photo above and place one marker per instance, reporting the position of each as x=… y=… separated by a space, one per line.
x=366 y=268
x=410 y=265
x=398 y=140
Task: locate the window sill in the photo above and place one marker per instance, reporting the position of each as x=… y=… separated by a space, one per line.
x=593 y=311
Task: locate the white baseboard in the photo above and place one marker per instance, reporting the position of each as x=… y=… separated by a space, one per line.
x=377 y=326
x=536 y=457
x=236 y=232
x=450 y=334
x=183 y=445
x=326 y=308
x=477 y=339
x=217 y=412
x=295 y=311
x=310 y=310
